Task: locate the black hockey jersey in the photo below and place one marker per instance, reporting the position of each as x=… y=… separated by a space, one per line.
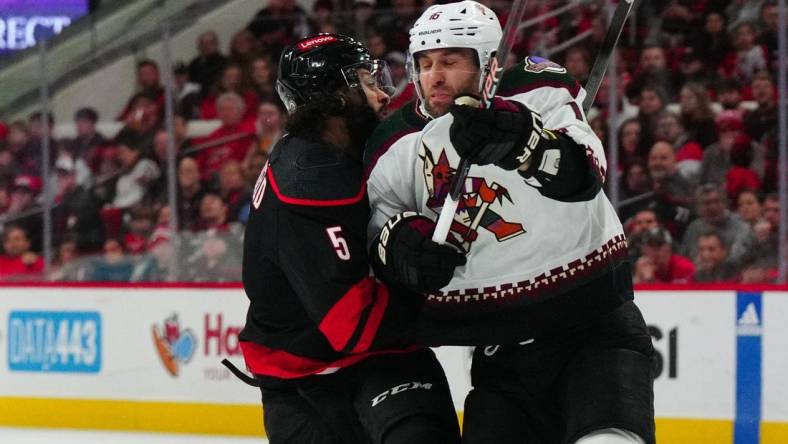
x=314 y=306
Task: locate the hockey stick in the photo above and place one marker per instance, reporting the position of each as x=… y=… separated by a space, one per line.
x=492 y=77
x=606 y=51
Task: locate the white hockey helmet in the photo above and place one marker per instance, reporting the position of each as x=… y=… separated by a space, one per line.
x=465 y=24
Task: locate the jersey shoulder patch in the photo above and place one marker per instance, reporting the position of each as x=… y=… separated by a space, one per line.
x=306 y=173
x=402 y=122
x=536 y=72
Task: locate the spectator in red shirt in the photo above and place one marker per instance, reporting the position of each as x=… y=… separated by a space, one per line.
x=232 y=136
x=17 y=261
x=659 y=264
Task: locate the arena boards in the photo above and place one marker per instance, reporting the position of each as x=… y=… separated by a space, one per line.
x=147 y=358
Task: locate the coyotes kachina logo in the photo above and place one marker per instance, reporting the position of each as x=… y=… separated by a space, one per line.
x=474 y=209
x=174 y=345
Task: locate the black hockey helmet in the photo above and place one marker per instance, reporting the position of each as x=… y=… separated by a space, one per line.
x=318 y=66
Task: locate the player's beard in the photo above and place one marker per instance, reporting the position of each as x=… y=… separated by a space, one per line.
x=469 y=87
x=361 y=122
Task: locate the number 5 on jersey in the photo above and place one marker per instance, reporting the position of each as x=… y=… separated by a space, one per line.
x=339 y=242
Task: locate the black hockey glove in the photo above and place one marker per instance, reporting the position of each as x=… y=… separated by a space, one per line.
x=509 y=134
x=405 y=253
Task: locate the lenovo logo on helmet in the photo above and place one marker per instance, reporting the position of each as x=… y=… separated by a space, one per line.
x=315 y=41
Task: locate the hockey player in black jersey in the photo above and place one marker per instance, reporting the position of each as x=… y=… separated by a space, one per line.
x=563 y=355
x=322 y=336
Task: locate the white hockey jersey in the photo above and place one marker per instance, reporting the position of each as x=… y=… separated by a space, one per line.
x=522 y=246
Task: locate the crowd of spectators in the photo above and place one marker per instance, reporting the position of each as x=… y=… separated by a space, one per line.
x=697 y=131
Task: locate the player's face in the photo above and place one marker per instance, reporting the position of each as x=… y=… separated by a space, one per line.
x=377 y=99
x=444 y=74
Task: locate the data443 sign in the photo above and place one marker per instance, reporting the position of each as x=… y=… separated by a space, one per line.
x=54 y=341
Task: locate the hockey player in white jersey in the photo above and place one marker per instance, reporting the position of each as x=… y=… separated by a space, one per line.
x=563 y=354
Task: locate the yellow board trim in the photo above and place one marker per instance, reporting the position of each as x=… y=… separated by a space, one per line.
x=173 y=417
x=694 y=431
x=246 y=420
x=774 y=432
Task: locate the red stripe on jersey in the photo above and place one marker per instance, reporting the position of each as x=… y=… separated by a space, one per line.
x=315 y=202
x=576 y=110
x=343 y=318
x=374 y=319
x=574 y=90
x=262 y=360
